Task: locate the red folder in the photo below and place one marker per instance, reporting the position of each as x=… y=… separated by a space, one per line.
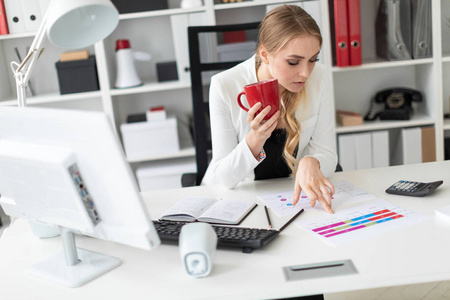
x=3 y=21
x=338 y=15
x=354 y=30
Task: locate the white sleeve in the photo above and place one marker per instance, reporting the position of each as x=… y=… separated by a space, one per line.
x=232 y=160
x=322 y=144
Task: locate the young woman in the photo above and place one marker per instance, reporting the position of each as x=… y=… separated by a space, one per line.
x=297 y=140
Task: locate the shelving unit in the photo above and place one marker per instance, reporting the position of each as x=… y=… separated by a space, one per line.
x=151 y=32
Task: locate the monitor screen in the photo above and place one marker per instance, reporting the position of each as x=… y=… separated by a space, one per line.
x=67 y=168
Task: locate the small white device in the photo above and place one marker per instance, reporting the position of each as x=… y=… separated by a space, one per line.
x=127 y=75
x=197 y=243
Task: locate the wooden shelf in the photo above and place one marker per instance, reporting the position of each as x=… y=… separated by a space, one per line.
x=416 y=120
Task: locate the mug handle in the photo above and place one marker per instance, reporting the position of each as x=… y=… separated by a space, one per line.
x=239 y=101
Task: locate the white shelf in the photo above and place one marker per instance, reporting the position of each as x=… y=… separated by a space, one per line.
x=379 y=63
x=17 y=35
x=249 y=4
x=159 y=13
x=186 y=152
x=152 y=87
x=416 y=120
x=54 y=98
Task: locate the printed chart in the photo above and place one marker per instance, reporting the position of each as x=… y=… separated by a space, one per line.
x=345 y=193
x=362 y=221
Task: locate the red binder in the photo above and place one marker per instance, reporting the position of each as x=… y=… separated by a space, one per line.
x=354 y=30
x=339 y=19
x=3 y=21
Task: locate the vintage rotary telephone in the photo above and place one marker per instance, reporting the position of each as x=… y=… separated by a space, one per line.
x=397 y=104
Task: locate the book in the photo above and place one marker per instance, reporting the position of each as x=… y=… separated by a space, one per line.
x=428 y=144
x=209 y=210
x=74 y=55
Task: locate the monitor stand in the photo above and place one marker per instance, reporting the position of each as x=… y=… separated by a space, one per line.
x=74 y=266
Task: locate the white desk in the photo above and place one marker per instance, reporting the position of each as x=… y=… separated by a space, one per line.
x=415 y=254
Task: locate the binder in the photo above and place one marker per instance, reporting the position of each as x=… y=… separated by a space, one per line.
x=421 y=28
x=346 y=148
x=363 y=151
x=354 y=31
x=380 y=148
x=411 y=145
x=32 y=14
x=393 y=30
x=43 y=4
x=339 y=32
x=428 y=144
x=3 y=21
x=15 y=16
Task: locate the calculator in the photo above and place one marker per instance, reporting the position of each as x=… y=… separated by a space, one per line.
x=413 y=188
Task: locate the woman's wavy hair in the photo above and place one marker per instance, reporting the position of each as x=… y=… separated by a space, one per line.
x=278 y=27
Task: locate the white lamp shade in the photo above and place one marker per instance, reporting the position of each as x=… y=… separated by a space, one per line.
x=73 y=24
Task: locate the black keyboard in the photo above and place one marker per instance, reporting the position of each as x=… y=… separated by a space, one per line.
x=227 y=236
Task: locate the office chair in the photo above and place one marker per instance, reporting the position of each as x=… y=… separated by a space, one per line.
x=201 y=130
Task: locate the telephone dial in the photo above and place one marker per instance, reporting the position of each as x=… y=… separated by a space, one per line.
x=397 y=104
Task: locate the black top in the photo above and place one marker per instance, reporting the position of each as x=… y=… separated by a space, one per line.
x=274 y=165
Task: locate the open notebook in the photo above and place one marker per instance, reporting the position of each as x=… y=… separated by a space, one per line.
x=210 y=210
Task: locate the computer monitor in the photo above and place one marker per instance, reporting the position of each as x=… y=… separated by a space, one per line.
x=67 y=168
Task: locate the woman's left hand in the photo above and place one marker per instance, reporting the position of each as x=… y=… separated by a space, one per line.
x=310 y=179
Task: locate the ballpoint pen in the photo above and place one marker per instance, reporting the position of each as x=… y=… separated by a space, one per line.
x=268 y=217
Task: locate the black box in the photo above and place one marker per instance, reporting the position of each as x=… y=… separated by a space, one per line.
x=77 y=76
x=167 y=71
x=130 y=6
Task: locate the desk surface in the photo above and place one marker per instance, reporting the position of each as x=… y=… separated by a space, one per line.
x=414 y=254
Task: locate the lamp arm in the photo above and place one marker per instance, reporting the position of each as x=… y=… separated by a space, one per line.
x=22 y=72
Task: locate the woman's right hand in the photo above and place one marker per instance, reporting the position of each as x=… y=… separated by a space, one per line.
x=260 y=129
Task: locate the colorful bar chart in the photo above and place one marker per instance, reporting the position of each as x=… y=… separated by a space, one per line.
x=345 y=193
x=360 y=221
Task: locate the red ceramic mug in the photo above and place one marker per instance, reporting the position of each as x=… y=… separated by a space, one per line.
x=265 y=92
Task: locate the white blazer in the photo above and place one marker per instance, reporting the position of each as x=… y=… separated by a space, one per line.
x=232 y=160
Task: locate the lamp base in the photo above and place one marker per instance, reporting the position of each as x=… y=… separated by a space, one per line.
x=91 y=266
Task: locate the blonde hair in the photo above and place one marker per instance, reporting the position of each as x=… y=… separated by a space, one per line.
x=278 y=27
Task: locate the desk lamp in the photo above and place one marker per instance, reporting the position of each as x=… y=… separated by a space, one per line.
x=68 y=24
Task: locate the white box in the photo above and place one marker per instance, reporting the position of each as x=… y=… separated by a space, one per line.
x=145 y=139
x=236 y=51
x=160 y=175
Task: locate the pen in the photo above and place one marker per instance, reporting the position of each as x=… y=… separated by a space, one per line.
x=268 y=217
x=292 y=219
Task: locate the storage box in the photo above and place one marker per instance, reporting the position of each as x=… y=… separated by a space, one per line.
x=127 y=6
x=77 y=76
x=164 y=174
x=236 y=51
x=348 y=118
x=145 y=139
x=167 y=71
